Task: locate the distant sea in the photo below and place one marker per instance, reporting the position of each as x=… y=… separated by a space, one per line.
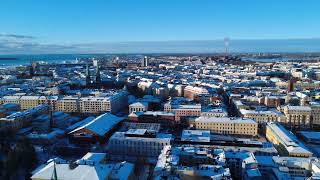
x=16 y=60
x=166 y=47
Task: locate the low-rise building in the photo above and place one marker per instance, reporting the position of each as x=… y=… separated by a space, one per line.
x=192 y=92
x=298 y=116
x=69 y=104
x=214 y=112
x=263 y=116
x=191 y=162
x=27 y=102
x=285 y=142
x=183 y=110
x=138 y=142
x=195 y=136
x=96 y=130
x=166 y=119
x=11 y=99
x=94 y=105
x=242 y=164
x=138 y=107
x=18 y=120
x=227 y=125
x=315 y=114
x=92 y=166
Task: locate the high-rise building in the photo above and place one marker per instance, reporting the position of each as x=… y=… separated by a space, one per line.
x=291 y=85
x=98 y=76
x=95 y=62
x=88 y=79
x=145 y=62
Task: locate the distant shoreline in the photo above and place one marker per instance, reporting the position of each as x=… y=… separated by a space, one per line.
x=18 y=60
x=8 y=58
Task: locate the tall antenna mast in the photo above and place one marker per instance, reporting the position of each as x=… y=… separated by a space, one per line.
x=226 y=45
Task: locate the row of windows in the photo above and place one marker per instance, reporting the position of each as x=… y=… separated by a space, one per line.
x=146 y=143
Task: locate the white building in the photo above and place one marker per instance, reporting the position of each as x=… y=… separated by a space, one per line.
x=195 y=136
x=137 y=142
x=11 y=99
x=138 y=107
x=92 y=166
x=191 y=162
x=214 y=112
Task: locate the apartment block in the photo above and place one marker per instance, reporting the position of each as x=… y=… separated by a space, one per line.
x=227 y=125
x=298 y=116
x=183 y=110
x=138 y=142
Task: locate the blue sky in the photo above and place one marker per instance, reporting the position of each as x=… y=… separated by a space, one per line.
x=67 y=23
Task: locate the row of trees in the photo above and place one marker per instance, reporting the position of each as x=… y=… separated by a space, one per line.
x=18 y=159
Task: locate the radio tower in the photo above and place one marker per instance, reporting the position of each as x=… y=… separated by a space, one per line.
x=226 y=45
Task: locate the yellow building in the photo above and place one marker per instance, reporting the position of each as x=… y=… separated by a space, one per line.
x=263 y=116
x=10 y=99
x=27 y=102
x=299 y=116
x=315 y=113
x=94 y=104
x=285 y=142
x=183 y=110
x=68 y=104
x=227 y=125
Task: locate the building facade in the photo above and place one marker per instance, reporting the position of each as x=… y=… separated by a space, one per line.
x=285 y=142
x=137 y=142
x=226 y=125
x=298 y=116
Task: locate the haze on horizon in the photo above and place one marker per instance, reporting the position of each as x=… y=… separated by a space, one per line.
x=143 y=26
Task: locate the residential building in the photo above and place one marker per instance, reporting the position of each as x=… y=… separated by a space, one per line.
x=18 y=120
x=227 y=125
x=315 y=114
x=191 y=162
x=11 y=99
x=242 y=164
x=285 y=142
x=92 y=166
x=69 y=104
x=183 y=110
x=193 y=92
x=27 y=102
x=138 y=143
x=263 y=116
x=298 y=116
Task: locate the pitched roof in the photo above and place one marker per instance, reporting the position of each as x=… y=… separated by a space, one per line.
x=100 y=125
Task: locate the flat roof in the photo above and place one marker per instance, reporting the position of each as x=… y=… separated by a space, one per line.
x=299 y=108
x=136 y=131
x=225 y=120
x=195 y=135
x=289 y=140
